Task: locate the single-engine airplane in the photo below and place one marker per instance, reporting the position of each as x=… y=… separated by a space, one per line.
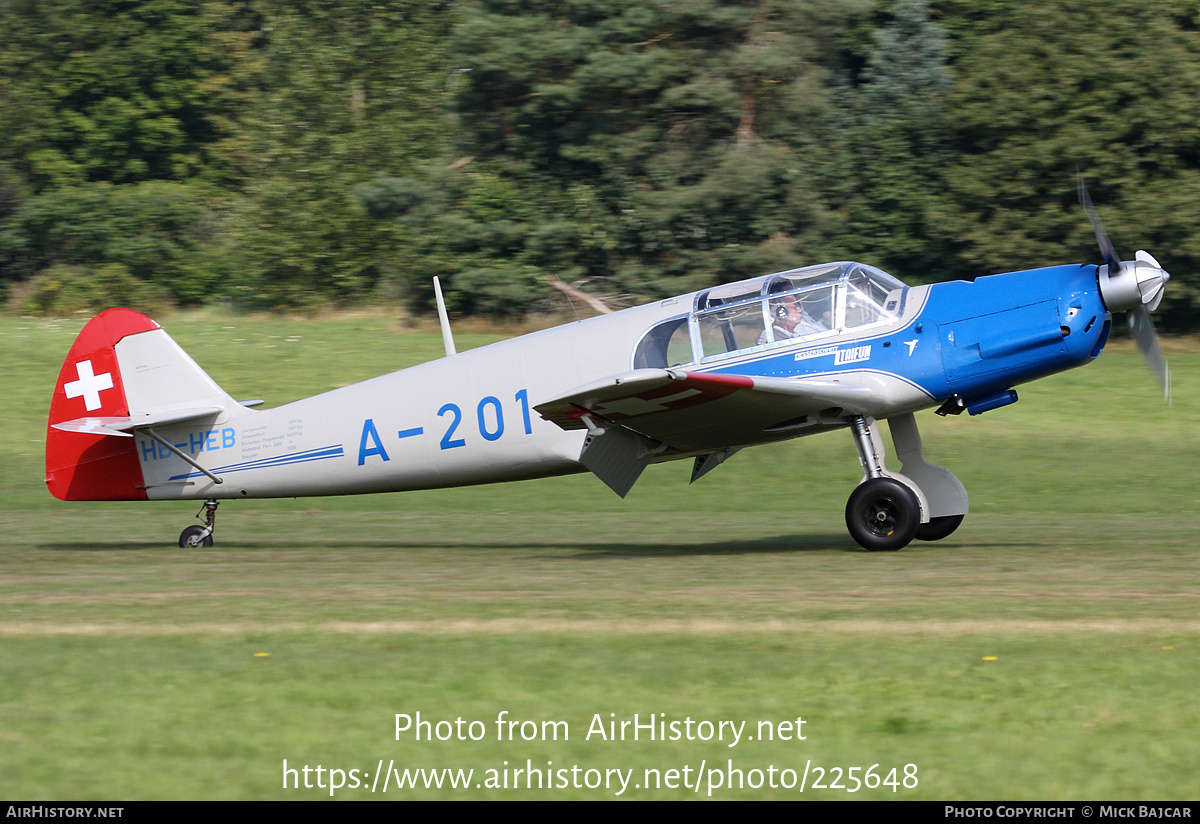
x=835 y=346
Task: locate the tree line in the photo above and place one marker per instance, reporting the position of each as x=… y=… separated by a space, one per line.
x=291 y=155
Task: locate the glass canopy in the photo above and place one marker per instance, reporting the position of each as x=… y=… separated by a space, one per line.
x=798 y=305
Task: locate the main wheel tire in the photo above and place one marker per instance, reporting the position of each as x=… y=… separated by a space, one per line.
x=939 y=528
x=191 y=538
x=883 y=515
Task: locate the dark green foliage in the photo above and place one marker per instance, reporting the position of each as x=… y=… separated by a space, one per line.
x=62 y=289
x=292 y=155
x=1102 y=87
x=488 y=239
x=120 y=91
x=152 y=231
x=118 y=119
x=10 y=264
x=661 y=145
x=897 y=136
x=350 y=90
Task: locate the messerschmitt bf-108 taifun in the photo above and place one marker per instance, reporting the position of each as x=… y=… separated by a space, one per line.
x=839 y=346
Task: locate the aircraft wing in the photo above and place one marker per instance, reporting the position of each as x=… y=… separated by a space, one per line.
x=696 y=411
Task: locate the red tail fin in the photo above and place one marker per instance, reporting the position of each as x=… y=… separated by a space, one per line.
x=87 y=467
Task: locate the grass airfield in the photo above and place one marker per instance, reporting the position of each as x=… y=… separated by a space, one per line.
x=1047 y=650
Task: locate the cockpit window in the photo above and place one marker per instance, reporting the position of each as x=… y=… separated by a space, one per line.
x=785 y=314
x=871 y=296
x=732 y=328
x=668 y=344
x=812 y=303
x=802 y=304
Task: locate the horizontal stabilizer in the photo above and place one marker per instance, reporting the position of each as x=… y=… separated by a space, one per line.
x=124 y=426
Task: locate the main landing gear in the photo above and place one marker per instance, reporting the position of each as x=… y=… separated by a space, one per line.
x=889 y=509
x=883 y=515
x=200 y=536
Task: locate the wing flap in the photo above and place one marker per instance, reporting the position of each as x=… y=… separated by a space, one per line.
x=618 y=456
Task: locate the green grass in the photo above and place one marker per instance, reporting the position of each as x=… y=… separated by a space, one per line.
x=1047 y=650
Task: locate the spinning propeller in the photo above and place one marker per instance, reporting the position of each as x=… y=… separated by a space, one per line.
x=1135 y=286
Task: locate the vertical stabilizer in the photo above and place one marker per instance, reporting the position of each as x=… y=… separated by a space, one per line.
x=94 y=467
x=123 y=373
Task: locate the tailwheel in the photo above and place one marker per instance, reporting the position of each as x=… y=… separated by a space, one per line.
x=938 y=528
x=201 y=536
x=883 y=515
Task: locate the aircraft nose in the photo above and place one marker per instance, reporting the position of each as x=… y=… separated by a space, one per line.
x=1164 y=276
x=1138 y=286
x=1140 y=282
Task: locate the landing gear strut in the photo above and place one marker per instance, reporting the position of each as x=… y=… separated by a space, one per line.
x=886 y=511
x=200 y=536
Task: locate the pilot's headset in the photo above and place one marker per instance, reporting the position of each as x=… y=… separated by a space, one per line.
x=784 y=304
x=781 y=309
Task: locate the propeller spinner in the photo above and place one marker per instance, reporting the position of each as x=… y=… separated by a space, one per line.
x=1135 y=287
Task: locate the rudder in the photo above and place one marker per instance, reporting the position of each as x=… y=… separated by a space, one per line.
x=87 y=467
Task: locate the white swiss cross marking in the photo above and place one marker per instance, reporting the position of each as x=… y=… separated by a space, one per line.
x=89 y=385
x=634 y=406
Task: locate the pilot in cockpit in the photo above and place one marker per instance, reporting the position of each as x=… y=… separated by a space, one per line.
x=790 y=320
